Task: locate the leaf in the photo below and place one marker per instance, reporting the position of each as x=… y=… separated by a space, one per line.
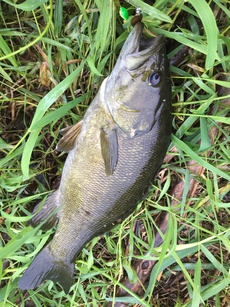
x=14 y=153
x=58 y=16
x=213 y=260
x=6 y=50
x=43 y=106
x=15 y=219
x=209 y=22
x=14 y=244
x=216 y=288
x=197 y=277
x=28 y=5
x=179 y=36
x=92 y=67
x=37 y=38
x=192 y=155
x=205 y=139
x=191 y=119
x=150 y=10
x=4 y=145
x=57 y=114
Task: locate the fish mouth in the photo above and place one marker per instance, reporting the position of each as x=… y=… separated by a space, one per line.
x=142 y=45
x=137 y=49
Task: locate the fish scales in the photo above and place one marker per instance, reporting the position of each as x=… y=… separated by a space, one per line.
x=114 y=155
x=107 y=190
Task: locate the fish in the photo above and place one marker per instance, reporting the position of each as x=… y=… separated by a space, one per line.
x=114 y=154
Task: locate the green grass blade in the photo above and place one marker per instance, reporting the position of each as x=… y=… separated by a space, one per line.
x=52 y=96
x=205 y=139
x=6 y=50
x=92 y=67
x=57 y=114
x=8 y=56
x=216 y=288
x=27 y=5
x=150 y=10
x=196 y=300
x=214 y=261
x=17 y=242
x=43 y=106
x=183 y=40
x=58 y=15
x=209 y=22
x=192 y=155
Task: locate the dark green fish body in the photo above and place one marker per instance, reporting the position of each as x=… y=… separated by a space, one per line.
x=115 y=153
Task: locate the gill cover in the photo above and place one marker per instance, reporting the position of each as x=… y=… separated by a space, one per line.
x=138 y=86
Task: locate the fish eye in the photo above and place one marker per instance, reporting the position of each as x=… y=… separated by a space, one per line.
x=154 y=79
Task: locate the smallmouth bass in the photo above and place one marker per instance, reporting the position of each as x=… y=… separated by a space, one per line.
x=115 y=153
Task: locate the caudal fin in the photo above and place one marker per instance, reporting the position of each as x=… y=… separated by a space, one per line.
x=44 y=267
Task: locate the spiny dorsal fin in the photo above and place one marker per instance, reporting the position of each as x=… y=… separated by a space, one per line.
x=109 y=150
x=70 y=134
x=48 y=213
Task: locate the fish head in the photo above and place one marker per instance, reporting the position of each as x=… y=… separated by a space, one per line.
x=138 y=89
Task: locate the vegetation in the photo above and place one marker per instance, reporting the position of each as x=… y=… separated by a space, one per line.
x=53 y=57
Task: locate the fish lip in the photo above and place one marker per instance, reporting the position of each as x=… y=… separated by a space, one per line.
x=138 y=50
x=137 y=30
x=132 y=47
x=156 y=43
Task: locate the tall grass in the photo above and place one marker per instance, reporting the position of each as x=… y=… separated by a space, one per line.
x=53 y=57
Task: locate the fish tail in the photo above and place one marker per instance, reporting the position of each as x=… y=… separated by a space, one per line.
x=45 y=267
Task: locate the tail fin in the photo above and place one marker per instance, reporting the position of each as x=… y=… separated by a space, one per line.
x=44 y=267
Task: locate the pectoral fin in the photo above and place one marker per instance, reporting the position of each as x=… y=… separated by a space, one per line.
x=47 y=214
x=109 y=150
x=70 y=134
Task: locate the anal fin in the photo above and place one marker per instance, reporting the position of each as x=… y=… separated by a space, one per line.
x=48 y=214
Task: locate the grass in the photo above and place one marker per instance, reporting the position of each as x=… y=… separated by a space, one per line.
x=54 y=53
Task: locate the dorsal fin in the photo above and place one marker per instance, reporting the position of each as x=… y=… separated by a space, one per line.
x=109 y=150
x=70 y=134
